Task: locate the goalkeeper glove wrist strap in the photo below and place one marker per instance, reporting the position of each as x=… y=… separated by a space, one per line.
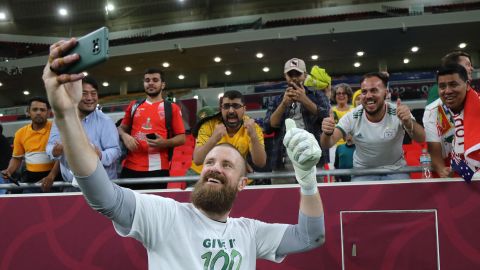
x=309 y=191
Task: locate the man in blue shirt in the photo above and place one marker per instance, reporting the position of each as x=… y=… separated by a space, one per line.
x=101 y=132
x=306 y=107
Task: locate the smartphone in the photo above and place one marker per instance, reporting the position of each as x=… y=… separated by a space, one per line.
x=93 y=50
x=11 y=179
x=151 y=136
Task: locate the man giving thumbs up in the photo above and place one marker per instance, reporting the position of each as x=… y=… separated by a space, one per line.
x=377 y=128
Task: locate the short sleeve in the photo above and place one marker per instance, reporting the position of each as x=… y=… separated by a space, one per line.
x=18 y=149
x=345 y=124
x=430 y=126
x=177 y=121
x=154 y=216
x=204 y=133
x=259 y=131
x=127 y=118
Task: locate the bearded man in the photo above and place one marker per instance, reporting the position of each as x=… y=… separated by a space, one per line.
x=178 y=235
x=377 y=128
x=231 y=125
x=148 y=155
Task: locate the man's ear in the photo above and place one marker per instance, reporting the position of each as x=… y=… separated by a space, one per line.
x=242 y=183
x=163 y=85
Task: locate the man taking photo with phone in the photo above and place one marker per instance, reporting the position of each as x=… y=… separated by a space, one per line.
x=307 y=108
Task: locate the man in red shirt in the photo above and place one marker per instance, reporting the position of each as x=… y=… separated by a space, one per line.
x=144 y=133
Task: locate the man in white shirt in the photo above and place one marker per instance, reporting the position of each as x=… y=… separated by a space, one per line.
x=463 y=104
x=438 y=120
x=377 y=128
x=197 y=235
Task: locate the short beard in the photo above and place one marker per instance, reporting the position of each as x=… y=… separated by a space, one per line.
x=213 y=200
x=154 y=94
x=375 y=111
x=41 y=122
x=235 y=125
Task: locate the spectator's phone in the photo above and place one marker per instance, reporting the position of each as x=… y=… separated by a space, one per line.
x=93 y=50
x=151 y=136
x=11 y=179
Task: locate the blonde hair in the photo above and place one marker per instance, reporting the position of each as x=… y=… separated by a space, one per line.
x=354 y=97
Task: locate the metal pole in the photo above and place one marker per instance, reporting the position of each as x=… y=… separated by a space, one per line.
x=257 y=175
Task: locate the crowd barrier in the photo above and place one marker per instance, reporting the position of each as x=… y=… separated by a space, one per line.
x=388 y=225
x=253 y=176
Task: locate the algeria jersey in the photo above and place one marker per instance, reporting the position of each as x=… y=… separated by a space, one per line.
x=179 y=236
x=377 y=144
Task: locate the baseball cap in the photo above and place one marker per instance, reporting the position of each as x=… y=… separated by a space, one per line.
x=295 y=63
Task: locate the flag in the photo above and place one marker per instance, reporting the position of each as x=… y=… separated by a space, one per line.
x=444 y=122
x=472 y=128
x=318 y=78
x=461 y=168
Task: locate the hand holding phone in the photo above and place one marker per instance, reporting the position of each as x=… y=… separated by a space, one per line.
x=92 y=49
x=151 y=136
x=10 y=179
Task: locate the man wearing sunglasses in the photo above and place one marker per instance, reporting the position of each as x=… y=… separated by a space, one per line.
x=231 y=126
x=307 y=108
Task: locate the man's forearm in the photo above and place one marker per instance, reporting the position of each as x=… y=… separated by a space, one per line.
x=435 y=151
x=259 y=157
x=311 y=205
x=326 y=141
x=276 y=116
x=81 y=157
x=122 y=130
x=55 y=169
x=177 y=140
x=418 y=132
x=13 y=165
x=310 y=106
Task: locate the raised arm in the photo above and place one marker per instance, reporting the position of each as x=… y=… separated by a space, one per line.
x=304 y=152
x=64 y=92
x=330 y=134
x=257 y=145
x=414 y=129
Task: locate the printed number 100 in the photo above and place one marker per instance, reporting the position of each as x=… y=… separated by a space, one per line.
x=228 y=260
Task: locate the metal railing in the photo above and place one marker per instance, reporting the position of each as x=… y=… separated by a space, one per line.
x=256 y=175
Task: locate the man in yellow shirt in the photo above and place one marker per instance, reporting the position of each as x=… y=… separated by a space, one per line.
x=29 y=144
x=231 y=126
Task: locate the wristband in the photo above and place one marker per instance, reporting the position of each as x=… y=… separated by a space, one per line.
x=328 y=134
x=310 y=191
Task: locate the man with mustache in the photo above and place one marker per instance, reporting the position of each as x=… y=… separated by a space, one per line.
x=148 y=155
x=201 y=231
x=29 y=144
x=231 y=126
x=101 y=132
x=463 y=104
x=438 y=119
x=306 y=107
x=377 y=128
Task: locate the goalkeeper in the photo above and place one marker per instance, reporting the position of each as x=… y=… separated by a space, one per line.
x=201 y=232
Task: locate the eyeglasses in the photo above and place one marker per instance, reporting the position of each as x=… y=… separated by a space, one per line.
x=235 y=106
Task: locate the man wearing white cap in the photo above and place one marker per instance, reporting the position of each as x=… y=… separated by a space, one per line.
x=307 y=108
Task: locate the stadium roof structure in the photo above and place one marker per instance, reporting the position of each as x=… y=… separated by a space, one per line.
x=189 y=34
